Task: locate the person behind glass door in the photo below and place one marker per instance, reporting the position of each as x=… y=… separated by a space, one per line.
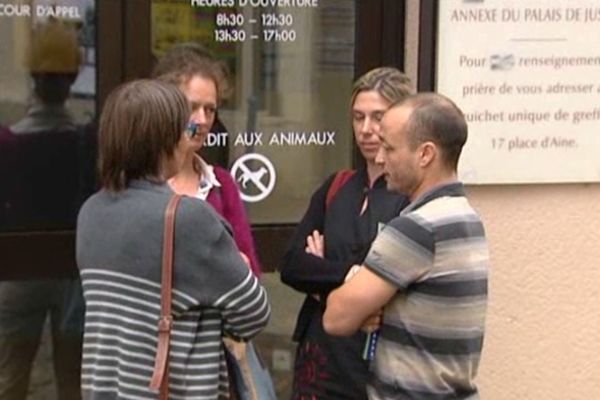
x=119 y=244
x=47 y=137
x=330 y=238
x=203 y=82
x=8 y=157
x=42 y=196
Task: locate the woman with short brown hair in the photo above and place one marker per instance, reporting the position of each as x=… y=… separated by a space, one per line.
x=140 y=129
x=119 y=248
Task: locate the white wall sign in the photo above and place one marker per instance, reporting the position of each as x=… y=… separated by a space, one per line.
x=527 y=76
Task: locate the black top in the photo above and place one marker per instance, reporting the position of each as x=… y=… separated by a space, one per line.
x=348 y=236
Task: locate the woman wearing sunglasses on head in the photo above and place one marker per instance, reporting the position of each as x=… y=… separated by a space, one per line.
x=203 y=81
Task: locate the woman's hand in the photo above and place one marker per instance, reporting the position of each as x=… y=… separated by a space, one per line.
x=315 y=244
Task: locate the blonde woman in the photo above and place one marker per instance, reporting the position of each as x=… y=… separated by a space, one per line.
x=336 y=232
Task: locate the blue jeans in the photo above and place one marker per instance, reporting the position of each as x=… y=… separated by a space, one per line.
x=24 y=306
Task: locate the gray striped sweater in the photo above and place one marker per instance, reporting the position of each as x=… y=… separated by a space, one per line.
x=430 y=343
x=119 y=246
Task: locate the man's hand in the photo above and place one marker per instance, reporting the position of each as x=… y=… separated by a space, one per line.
x=372 y=323
x=352 y=271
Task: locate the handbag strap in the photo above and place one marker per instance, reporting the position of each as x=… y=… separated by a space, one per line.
x=160 y=376
x=340 y=179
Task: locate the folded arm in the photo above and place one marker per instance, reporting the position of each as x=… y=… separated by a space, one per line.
x=355 y=302
x=303 y=266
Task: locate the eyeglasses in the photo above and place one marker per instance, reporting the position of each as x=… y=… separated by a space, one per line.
x=192 y=129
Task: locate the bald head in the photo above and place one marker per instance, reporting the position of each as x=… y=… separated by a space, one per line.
x=435 y=118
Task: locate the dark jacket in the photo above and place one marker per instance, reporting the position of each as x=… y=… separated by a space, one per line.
x=348 y=236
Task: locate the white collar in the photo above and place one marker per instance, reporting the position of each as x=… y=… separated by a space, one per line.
x=208 y=179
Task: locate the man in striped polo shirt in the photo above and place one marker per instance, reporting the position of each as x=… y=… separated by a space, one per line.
x=427 y=269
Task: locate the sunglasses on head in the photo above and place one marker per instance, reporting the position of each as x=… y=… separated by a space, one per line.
x=192 y=129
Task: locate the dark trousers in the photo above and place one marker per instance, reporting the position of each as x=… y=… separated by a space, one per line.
x=24 y=307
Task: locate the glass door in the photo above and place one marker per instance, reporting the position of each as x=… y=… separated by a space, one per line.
x=291 y=72
x=286 y=122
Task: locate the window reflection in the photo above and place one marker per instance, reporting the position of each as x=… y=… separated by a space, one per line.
x=47 y=108
x=47 y=157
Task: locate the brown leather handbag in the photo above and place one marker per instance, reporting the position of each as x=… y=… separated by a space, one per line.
x=160 y=376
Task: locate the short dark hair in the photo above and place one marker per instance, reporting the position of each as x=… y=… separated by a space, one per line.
x=185 y=60
x=437 y=119
x=141 y=124
x=53 y=88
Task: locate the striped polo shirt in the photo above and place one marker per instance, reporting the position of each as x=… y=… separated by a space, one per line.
x=431 y=338
x=119 y=246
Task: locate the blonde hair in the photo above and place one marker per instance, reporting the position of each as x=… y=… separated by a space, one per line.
x=391 y=84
